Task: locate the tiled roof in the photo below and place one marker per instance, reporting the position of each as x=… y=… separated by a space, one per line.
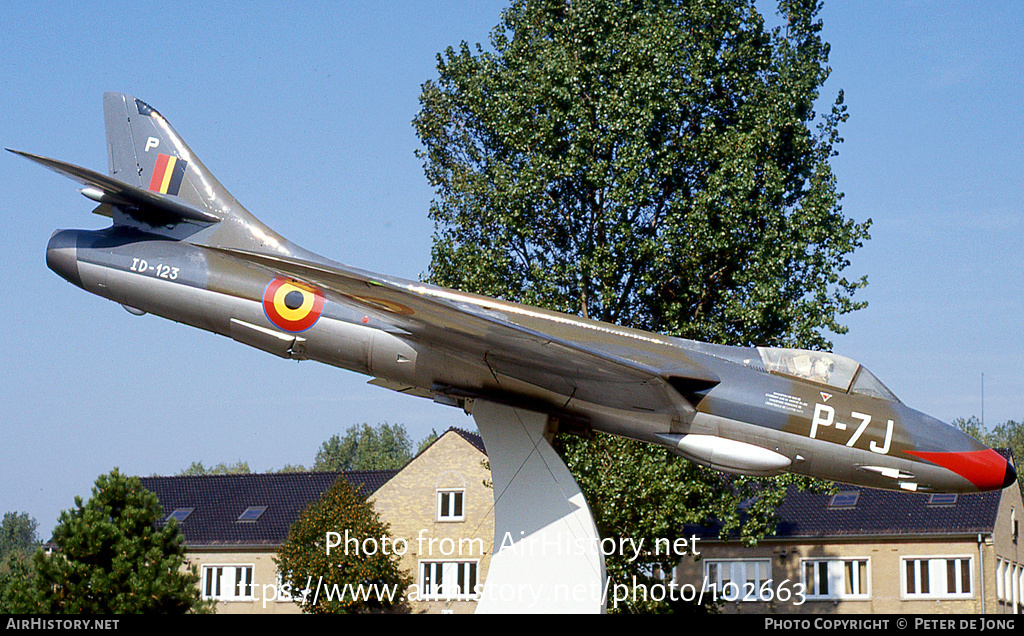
x=877 y=513
x=888 y=512
x=218 y=501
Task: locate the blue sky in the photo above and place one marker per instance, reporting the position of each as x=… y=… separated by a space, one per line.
x=303 y=112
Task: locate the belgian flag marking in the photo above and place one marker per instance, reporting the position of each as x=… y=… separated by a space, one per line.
x=291 y=305
x=167 y=174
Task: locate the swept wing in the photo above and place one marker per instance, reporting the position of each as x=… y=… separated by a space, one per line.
x=573 y=357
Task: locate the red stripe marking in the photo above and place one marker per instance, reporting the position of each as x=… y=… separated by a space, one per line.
x=986 y=469
x=157 y=179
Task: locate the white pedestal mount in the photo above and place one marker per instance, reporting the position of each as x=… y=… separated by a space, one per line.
x=546 y=555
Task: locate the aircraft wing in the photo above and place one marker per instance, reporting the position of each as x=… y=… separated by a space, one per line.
x=575 y=358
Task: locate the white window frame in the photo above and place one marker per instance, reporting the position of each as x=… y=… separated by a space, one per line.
x=228 y=581
x=1000 y=568
x=449 y=580
x=719 y=573
x=937 y=577
x=445 y=504
x=1014 y=578
x=836 y=574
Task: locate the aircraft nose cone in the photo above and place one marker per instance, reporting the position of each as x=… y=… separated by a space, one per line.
x=986 y=469
x=1011 y=475
x=62 y=255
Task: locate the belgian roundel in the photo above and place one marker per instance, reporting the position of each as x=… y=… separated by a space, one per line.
x=291 y=305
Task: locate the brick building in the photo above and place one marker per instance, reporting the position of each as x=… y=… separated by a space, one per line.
x=438 y=506
x=441 y=503
x=872 y=551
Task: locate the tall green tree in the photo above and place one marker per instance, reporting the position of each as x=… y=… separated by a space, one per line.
x=112 y=557
x=18 y=541
x=197 y=468
x=427 y=441
x=365 y=447
x=17 y=585
x=18 y=535
x=657 y=164
x=1009 y=434
x=325 y=580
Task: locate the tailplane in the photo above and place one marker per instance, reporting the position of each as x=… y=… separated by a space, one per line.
x=158 y=185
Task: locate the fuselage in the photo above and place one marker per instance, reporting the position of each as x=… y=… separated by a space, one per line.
x=758 y=417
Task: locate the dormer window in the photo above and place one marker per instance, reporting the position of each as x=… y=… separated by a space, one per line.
x=942 y=499
x=180 y=514
x=252 y=513
x=844 y=499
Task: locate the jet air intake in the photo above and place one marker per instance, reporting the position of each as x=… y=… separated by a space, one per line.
x=62 y=255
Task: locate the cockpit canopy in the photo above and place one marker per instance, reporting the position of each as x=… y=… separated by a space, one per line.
x=825 y=368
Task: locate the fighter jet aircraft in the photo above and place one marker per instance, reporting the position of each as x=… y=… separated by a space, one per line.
x=181 y=247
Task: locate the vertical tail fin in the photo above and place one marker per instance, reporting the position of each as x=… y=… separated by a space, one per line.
x=144 y=151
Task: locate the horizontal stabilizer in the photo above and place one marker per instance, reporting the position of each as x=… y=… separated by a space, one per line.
x=145 y=205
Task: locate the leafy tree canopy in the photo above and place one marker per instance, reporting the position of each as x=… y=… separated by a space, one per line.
x=196 y=468
x=18 y=535
x=427 y=441
x=18 y=541
x=364 y=447
x=656 y=164
x=112 y=557
x=306 y=563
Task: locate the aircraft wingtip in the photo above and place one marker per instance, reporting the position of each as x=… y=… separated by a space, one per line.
x=22 y=153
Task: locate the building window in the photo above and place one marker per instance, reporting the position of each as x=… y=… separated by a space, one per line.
x=252 y=513
x=180 y=514
x=1000 y=568
x=836 y=578
x=942 y=499
x=1018 y=580
x=945 y=577
x=737 y=579
x=448 y=580
x=227 y=582
x=1012 y=578
x=451 y=505
x=844 y=499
